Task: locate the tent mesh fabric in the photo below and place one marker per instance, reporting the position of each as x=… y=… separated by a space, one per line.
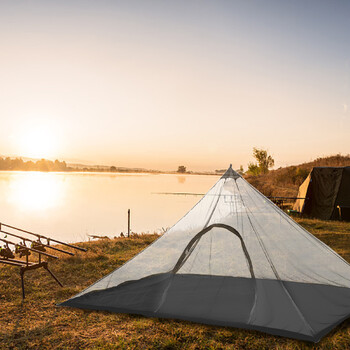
x=235 y=259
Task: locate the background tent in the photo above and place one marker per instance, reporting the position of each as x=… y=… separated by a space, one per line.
x=235 y=260
x=325 y=189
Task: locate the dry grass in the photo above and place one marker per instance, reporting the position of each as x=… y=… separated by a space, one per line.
x=38 y=323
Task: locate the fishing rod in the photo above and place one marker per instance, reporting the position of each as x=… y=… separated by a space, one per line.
x=181 y=193
x=44 y=237
x=7 y=256
x=221 y=195
x=36 y=242
x=10 y=262
x=31 y=249
x=15 y=262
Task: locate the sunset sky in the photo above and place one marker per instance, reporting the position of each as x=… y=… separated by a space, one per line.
x=157 y=84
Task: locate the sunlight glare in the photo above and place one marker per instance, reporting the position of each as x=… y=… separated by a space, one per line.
x=36 y=191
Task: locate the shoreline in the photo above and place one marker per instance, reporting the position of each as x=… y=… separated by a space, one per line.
x=131 y=172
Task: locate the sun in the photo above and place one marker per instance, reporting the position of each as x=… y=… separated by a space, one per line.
x=37 y=142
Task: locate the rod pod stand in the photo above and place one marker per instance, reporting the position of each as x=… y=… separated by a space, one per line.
x=43 y=264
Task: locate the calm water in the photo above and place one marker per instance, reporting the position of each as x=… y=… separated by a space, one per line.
x=70 y=206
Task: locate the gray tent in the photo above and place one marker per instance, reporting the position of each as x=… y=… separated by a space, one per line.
x=327 y=193
x=234 y=260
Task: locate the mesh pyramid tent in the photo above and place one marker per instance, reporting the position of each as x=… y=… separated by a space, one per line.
x=234 y=260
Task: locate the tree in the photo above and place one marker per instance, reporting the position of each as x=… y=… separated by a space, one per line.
x=253 y=169
x=265 y=161
x=113 y=169
x=59 y=166
x=181 y=169
x=42 y=165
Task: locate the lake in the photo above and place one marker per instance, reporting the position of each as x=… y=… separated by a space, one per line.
x=71 y=206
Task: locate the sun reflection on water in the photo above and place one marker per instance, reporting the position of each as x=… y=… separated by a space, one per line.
x=68 y=206
x=36 y=191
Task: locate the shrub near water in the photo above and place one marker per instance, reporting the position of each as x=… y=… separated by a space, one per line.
x=38 y=323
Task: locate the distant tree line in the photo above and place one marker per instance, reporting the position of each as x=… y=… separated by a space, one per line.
x=13 y=164
x=39 y=165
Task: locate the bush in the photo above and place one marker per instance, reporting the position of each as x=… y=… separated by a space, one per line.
x=181 y=169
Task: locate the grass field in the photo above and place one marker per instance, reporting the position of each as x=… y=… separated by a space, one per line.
x=38 y=323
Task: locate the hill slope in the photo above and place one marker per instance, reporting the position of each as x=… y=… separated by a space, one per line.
x=286 y=181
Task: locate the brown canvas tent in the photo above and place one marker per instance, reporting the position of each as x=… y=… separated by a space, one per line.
x=327 y=193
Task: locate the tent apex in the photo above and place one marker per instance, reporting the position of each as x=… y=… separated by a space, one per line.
x=230 y=173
